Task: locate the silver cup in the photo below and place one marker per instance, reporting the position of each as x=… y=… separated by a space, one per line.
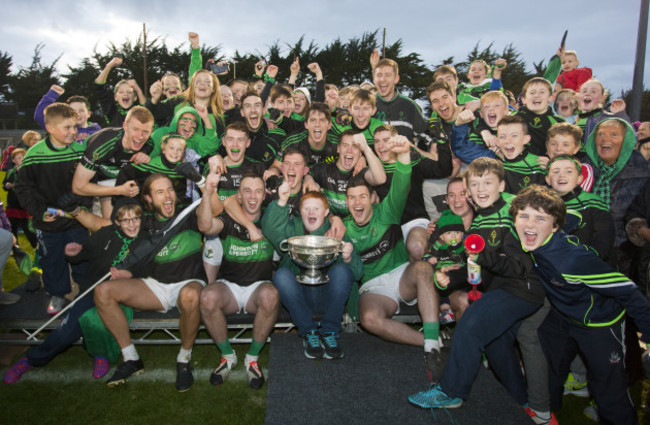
x=312 y=253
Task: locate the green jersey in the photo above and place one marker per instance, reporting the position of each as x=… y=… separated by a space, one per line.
x=380 y=241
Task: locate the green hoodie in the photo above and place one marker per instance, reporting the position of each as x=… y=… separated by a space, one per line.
x=203 y=144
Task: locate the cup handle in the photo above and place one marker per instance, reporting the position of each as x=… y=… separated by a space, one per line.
x=284 y=245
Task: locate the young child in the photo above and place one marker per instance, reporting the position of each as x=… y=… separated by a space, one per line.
x=172 y=153
x=521 y=166
x=571 y=76
x=537 y=113
x=566 y=105
x=44 y=177
x=126 y=95
x=17 y=215
x=28 y=139
x=591 y=98
x=473 y=138
x=589 y=303
x=566 y=139
x=513 y=293
x=596 y=227
x=345 y=97
x=446 y=252
x=479 y=80
x=80 y=105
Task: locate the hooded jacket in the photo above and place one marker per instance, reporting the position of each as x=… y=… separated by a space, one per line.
x=627 y=176
x=204 y=141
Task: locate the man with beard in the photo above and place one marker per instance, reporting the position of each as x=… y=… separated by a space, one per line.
x=174 y=278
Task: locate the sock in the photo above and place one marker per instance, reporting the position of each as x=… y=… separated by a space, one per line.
x=545 y=415
x=431 y=333
x=130 y=353
x=225 y=347
x=249 y=358
x=255 y=348
x=184 y=355
x=232 y=358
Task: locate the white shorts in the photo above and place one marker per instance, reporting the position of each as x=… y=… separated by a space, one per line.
x=416 y=222
x=242 y=293
x=167 y=293
x=212 y=251
x=107 y=182
x=387 y=285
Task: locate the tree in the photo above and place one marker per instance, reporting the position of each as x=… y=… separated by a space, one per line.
x=30 y=84
x=5 y=75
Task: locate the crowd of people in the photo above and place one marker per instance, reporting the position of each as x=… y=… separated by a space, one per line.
x=555 y=185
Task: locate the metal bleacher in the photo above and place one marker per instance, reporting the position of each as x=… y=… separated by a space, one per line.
x=17 y=321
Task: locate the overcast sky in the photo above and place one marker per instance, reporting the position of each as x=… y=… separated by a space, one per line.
x=604 y=33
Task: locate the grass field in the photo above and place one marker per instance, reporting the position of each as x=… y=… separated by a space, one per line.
x=65 y=392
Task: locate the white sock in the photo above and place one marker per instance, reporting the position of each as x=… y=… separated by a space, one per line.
x=432 y=344
x=129 y=353
x=232 y=358
x=184 y=355
x=542 y=414
x=250 y=359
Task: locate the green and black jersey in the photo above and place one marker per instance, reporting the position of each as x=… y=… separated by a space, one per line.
x=380 y=241
x=105 y=154
x=333 y=183
x=314 y=156
x=406 y=116
x=44 y=176
x=244 y=262
x=523 y=171
x=230 y=181
x=596 y=227
x=422 y=168
x=181 y=258
x=266 y=145
x=538 y=125
x=368 y=132
x=140 y=172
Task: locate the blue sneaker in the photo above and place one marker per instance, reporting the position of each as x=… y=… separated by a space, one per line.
x=434 y=398
x=331 y=346
x=312 y=347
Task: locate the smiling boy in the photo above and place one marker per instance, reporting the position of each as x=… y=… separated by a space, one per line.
x=537 y=112
x=362 y=108
x=589 y=302
x=520 y=165
x=596 y=227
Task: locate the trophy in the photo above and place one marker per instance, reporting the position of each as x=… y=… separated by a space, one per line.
x=312 y=253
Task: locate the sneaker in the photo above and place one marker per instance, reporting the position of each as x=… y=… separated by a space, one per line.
x=8 y=298
x=100 y=368
x=184 y=377
x=220 y=374
x=591 y=411
x=435 y=361
x=331 y=346
x=56 y=304
x=34 y=281
x=16 y=371
x=255 y=375
x=577 y=388
x=540 y=421
x=434 y=398
x=126 y=370
x=311 y=344
x=446 y=317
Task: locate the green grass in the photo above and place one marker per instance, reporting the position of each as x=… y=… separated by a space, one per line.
x=64 y=392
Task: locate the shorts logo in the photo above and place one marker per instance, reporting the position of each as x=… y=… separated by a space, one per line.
x=209 y=253
x=614 y=358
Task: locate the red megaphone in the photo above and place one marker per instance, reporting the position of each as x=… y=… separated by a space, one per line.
x=474 y=244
